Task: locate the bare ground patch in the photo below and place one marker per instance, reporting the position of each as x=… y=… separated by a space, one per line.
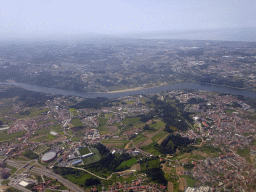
x=59 y=139
x=112 y=144
x=163 y=138
x=112 y=129
x=145 y=143
x=128 y=144
x=200 y=153
x=136 y=167
x=37 y=137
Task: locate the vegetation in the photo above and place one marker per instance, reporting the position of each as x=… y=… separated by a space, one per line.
x=30 y=155
x=95 y=103
x=198 y=141
x=4 y=136
x=84 y=151
x=57 y=127
x=152 y=148
x=76 y=122
x=5 y=182
x=243 y=152
x=127 y=164
x=151 y=166
x=174 y=142
x=78 y=177
x=157 y=125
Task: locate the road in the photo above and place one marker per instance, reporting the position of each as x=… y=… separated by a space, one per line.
x=19 y=187
x=48 y=173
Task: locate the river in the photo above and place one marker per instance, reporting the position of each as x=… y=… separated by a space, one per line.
x=154 y=90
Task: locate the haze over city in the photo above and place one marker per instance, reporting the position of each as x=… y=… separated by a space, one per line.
x=44 y=18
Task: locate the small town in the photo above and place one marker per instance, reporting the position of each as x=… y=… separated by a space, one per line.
x=57 y=136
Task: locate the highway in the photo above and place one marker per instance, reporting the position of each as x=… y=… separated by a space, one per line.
x=19 y=187
x=48 y=173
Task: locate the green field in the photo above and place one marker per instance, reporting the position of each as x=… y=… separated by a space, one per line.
x=92 y=159
x=48 y=137
x=103 y=125
x=5 y=182
x=13 y=169
x=190 y=181
x=76 y=122
x=140 y=138
x=41 y=149
x=157 y=125
x=84 y=151
x=107 y=116
x=35 y=111
x=77 y=138
x=127 y=164
x=159 y=136
x=4 y=136
x=151 y=149
x=57 y=127
x=79 y=179
x=132 y=121
x=244 y=152
x=42 y=131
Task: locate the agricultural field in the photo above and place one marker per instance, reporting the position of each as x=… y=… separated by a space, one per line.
x=157 y=125
x=158 y=136
x=107 y=116
x=103 y=125
x=42 y=131
x=140 y=138
x=41 y=149
x=57 y=127
x=4 y=136
x=84 y=151
x=132 y=121
x=136 y=167
x=127 y=164
x=151 y=149
x=96 y=157
x=115 y=143
x=41 y=138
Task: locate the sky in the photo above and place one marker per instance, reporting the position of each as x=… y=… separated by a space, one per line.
x=64 y=17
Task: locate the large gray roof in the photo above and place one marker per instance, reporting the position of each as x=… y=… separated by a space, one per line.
x=49 y=156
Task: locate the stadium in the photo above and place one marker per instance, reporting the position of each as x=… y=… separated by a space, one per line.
x=49 y=157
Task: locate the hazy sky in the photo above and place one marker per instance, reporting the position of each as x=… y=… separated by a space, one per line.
x=24 y=17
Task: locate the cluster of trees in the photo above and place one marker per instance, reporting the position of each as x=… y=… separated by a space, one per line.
x=64 y=171
x=152 y=167
x=248 y=100
x=24 y=112
x=220 y=81
x=174 y=142
x=95 y=103
x=188 y=166
x=194 y=100
x=147 y=127
x=35 y=99
x=30 y=155
x=150 y=115
x=109 y=163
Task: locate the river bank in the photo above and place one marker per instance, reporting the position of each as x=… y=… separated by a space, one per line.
x=136 y=91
